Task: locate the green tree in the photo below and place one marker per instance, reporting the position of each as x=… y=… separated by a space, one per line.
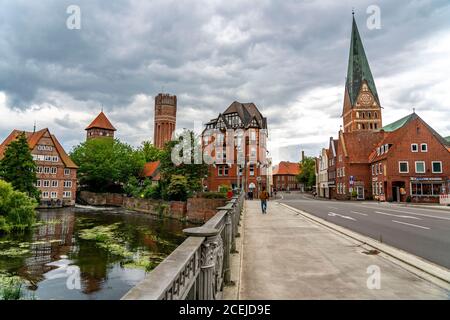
x=106 y=165
x=150 y=152
x=19 y=168
x=307 y=175
x=194 y=173
x=17 y=209
x=178 y=188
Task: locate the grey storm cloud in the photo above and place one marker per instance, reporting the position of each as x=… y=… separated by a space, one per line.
x=209 y=53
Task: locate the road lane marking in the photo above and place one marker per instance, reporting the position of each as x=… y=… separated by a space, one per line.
x=412 y=225
x=332 y=214
x=333 y=208
x=363 y=214
x=413 y=213
x=396 y=215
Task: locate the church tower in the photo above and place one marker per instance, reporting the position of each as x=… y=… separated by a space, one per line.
x=101 y=127
x=165 y=119
x=362 y=109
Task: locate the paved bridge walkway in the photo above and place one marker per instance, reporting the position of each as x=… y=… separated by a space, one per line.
x=286 y=256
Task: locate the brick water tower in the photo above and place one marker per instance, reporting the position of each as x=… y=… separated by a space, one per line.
x=165 y=119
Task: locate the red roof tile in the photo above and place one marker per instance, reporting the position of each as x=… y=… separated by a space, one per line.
x=359 y=145
x=287 y=168
x=151 y=170
x=33 y=139
x=101 y=122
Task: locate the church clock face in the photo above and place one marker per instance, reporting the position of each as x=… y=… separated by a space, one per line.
x=366 y=99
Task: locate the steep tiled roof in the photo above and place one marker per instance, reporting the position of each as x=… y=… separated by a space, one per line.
x=399 y=123
x=358 y=145
x=358 y=68
x=394 y=132
x=101 y=122
x=287 y=168
x=33 y=138
x=151 y=170
x=246 y=112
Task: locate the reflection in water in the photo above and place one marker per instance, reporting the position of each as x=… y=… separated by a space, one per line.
x=59 y=264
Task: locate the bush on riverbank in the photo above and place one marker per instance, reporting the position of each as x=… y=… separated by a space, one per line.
x=17 y=210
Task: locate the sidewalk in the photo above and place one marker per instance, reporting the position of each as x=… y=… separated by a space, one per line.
x=286 y=256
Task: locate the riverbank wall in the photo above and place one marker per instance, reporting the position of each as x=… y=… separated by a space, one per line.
x=195 y=210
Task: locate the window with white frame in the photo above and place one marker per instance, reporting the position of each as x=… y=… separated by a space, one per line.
x=67 y=194
x=54 y=183
x=436 y=166
x=380 y=188
x=46 y=183
x=373 y=169
x=55 y=159
x=54 y=195
x=38 y=183
x=424 y=147
x=66 y=172
x=420 y=166
x=414 y=147
x=252 y=170
x=39 y=170
x=67 y=184
x=45 y=195
x=54 y=170
x=46 y=170
x=403 y=167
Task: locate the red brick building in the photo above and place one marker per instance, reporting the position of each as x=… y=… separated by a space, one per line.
x=236 y=142
x=165 y=119
x=332 y=152
x=101 y=127
x=56 y=172
x=406 y=160
x=411 y=163
x=285 y=176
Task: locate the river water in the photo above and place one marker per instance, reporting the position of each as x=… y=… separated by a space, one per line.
x=59 y=262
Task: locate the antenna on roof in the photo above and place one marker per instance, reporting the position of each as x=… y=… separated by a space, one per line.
x=102 y=107
x=353 y=11
x=34 y=127
x=414 y=110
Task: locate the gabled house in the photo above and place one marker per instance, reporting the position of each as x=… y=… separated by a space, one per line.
x=56 y=172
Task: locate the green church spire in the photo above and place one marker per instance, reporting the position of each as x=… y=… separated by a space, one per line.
x=358 y=68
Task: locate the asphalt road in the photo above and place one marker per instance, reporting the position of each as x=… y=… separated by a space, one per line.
x=421 y=231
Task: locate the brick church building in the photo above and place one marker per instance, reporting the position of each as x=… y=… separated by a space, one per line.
x=403 y=161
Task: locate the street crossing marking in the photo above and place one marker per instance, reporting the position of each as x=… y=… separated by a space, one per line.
x=332 y=214
x=360 y=213
x=412 y=225
x=396 y=215
x=413 y=213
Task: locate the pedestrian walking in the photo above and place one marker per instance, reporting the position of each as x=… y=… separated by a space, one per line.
x=264 y=196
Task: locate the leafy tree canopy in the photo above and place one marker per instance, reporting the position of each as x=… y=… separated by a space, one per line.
x=105 y=165
x=150 y=152
x=18 y=167
x=308 y=172
x=17 y=210
x=194 y=173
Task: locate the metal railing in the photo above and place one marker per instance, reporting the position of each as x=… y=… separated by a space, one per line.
x=199 y=268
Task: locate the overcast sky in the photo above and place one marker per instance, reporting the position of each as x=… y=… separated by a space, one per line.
x=288 y=57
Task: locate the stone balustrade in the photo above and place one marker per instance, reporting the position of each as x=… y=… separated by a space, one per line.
x=199 y=268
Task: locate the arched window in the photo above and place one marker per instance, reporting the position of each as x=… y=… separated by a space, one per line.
x=375 y=115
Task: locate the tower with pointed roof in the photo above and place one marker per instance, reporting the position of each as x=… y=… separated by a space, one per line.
x=362 y=109
x=165 y=119
x=101 y=127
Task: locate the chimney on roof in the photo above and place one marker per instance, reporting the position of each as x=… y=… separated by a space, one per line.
x=303 y=155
